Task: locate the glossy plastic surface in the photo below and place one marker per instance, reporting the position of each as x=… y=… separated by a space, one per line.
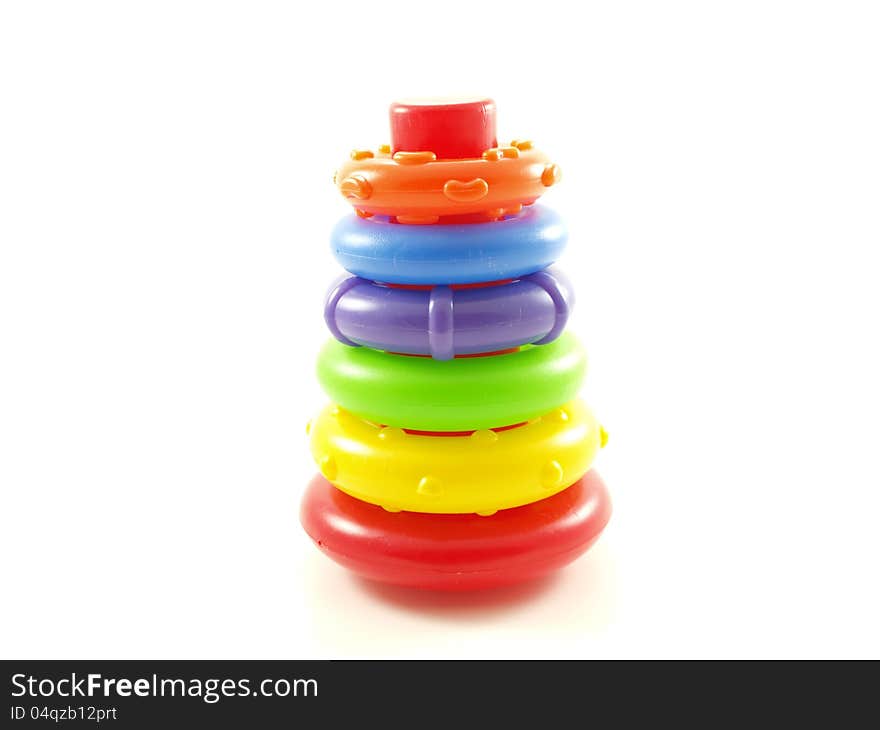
x=420 y=188
x=483 y=472
x=451 y=128
x=454 y=395
x=456 y=552
x=443 y=322
x=379 y=250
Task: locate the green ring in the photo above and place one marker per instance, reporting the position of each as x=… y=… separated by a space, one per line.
x=464 y=394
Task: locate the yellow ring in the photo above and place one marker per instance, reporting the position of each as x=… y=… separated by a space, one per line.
x=484 y=472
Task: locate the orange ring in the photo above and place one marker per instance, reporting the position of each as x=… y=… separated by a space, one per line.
x=417 y=188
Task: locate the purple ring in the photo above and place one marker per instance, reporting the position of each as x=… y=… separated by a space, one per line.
x=444 y=322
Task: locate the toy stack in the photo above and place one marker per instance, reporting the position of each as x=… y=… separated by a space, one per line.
x=456 y=455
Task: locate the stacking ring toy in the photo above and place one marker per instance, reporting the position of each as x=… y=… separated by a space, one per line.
x=459 y=253
x=464 y=394
x=455 y=454
x=456 y=552
x=416 y=187
x=443 y=322
x=482 y=472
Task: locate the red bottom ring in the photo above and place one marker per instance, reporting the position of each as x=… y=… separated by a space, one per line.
x=456 y=552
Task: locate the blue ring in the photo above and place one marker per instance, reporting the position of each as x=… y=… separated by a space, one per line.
x=459 y=253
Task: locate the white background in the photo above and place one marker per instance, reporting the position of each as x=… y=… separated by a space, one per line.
x=165 y=203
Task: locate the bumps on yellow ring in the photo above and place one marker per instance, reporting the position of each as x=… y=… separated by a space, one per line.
x=551 y=475
x=484 y=436
x=327 y=465
x=429 y=487
x=391 y=434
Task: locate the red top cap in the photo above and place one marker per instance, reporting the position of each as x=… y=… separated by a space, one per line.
x=450 y=128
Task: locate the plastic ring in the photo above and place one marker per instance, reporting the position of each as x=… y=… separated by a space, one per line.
x=443 y=322
x=463 y=394
x=460 y=253
x=456 y=552
x=416 y=187
x=480 y=473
